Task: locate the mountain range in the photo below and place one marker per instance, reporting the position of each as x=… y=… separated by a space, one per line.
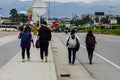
x=59 y=9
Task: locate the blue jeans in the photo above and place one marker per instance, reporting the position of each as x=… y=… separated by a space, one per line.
x=71 y=55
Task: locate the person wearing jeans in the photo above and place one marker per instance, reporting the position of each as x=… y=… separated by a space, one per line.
x=72 y=49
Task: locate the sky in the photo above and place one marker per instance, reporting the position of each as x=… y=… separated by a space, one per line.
x=85 y=1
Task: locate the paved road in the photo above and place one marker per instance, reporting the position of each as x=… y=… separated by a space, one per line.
x=3 y=33
x=8 y=49
x=15 y=69
x=106 y=63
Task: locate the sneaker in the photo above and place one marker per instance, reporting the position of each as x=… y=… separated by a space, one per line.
x=23 y=60
x=46 y=59
x=90 y=62
x=72 y=63
x=69 y=63
x=28 y=59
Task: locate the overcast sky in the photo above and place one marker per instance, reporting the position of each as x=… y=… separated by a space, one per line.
x=85 y=1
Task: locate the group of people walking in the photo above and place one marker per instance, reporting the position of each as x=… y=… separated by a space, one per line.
x=44 y=36
x=73 y=45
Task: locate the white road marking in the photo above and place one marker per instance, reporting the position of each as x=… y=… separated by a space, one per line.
x=118 y=67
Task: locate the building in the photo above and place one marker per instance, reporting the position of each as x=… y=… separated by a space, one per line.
x=93 y=16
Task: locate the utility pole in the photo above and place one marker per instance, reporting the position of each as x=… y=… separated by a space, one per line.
x=0 y=16
x=49 y=10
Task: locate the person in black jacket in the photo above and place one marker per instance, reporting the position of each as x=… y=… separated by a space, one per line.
x=44 y=35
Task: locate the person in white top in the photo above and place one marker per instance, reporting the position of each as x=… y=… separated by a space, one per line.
x=73 y=46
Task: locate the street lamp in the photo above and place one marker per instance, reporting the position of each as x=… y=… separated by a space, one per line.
x=49 y=10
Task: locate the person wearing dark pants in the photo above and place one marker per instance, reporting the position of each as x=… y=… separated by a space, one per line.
x=26 y=39
x=72 y=43
x=90 y=54
x=90 y=41
x=44 y=48
x=44 y=35
x=27 y=51
x=41 y=53
x=71 y=51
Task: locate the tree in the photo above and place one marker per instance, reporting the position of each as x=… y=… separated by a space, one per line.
x=86 y=20
x=75 y=20
x=104 y=20
x=14 y=15
x=23 y=18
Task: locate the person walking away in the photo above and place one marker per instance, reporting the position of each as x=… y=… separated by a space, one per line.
x=35 y=29
x=73 y=46
x=26 y=40
x=90 y=41
x=44 y=35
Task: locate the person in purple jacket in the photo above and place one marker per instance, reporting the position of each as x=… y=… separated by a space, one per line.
x=25 y=44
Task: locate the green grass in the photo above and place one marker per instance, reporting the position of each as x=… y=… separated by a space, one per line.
x=105 y=31
x=111 y=31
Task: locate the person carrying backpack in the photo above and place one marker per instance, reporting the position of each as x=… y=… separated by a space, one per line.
x=25 y=44
x=73 y=46
x=90 y=41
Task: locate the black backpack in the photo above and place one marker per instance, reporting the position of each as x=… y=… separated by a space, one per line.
x=90 y=40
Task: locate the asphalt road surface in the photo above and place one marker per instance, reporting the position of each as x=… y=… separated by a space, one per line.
x=106 y=61
x=8 y=50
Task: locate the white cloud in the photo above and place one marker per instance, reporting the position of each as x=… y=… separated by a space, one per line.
x=23 y=12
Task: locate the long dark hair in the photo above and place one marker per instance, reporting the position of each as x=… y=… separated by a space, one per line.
x=26 y=29
x=90 y=33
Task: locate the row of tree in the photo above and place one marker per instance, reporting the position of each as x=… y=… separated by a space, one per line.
x=18 y=17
